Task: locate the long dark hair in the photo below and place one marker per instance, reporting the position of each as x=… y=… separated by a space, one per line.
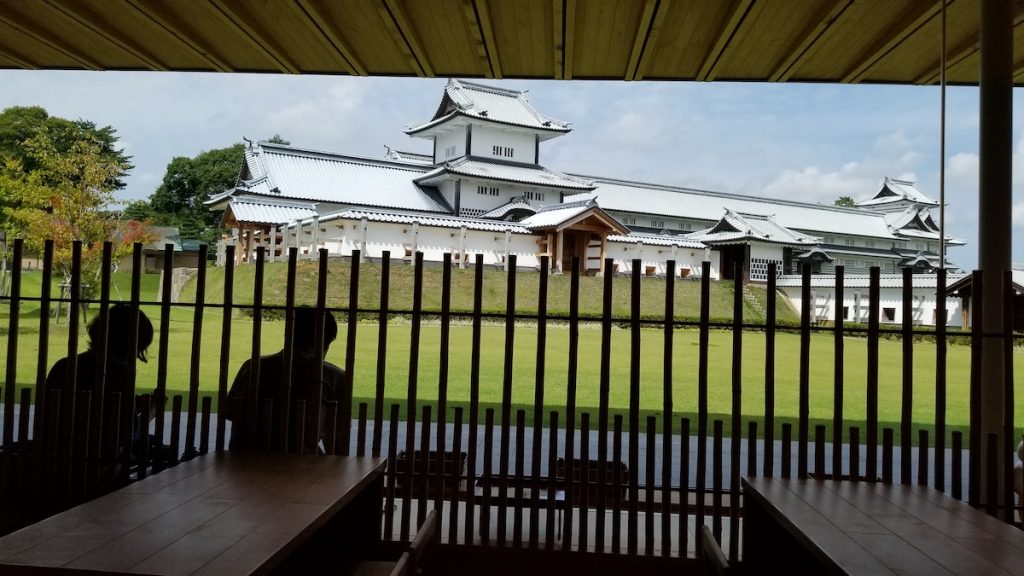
x=118 y=324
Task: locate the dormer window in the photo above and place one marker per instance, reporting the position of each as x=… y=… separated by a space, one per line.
x=487 y=190
x=504 y=151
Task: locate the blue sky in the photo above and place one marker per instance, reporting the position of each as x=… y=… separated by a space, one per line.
x=806 y=142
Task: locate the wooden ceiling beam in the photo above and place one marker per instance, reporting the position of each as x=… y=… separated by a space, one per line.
x=819 y=29
x=644 y=62
x=256 y=38
x=710 y=67
x=15 y=21
x=962 y=52
x=641 y=39
x=405 y=34
x=564 y=25
x=917 y=16
x=18 y=59
x=473 y=25
x=96 y=25
x=483 y=19
x=322 y=25
x=179 y=32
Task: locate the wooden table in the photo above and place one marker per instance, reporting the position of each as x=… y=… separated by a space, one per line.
x=216 y=514
x=842 y=527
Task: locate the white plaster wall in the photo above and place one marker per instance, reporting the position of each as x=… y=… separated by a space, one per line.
x=472 y=199
x=768 y=251
x=824 y=305
x=689 y=259
x=486 y=137
x=455 y=138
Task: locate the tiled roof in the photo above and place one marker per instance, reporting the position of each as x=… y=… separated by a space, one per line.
x=517 y=203
x=428 y=220
x=518 y=173
x=409 y=157
x=737 y=227
x=325 y=177
x=862 y=281
x=656 y=240
x=556 y=214
x=671 y=201
x=270 y=211
x=898 y=191
x=489 y=103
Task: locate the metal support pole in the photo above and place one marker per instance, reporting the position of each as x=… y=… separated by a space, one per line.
x=994 y=209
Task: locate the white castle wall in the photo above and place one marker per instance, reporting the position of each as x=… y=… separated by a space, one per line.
x=824 y=305
x=485 y=138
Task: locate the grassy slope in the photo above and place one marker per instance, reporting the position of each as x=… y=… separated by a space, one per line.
x=525 y=354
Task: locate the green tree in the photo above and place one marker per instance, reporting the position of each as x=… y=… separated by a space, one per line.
x=66 y=197
x=846 y=201
x=18 y=124
x=187 y=184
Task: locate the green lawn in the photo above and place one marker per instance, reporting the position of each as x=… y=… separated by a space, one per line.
x=685 y=357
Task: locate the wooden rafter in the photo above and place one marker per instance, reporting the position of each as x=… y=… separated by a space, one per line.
x=962 y=52
x=956 y=56
x=709 y=69
x=405 y=34
x=256 y=38
x=44 y=37
x=564 y=25
x=180 y=33
x=642 y=37
x=19 y=59
x=916 y=17
x=86 y=19
x=473 y=26
x=483 y=18
x=322 y=25
x=558 y=37
x=819 y=29
x=652 y=40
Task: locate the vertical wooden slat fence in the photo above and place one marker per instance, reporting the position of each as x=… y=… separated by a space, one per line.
x=559 y=482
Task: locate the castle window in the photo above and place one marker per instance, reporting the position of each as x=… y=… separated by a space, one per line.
x=538 y=196
x=449 y=151
x=629 y=220
x=505 y=151
x=851 y=242
x=869 y=243
x=657 y=223
x=487 y=190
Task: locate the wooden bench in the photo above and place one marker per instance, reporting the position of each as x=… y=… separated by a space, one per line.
x=232 y=514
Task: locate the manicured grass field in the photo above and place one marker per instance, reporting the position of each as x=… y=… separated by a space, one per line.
x=684 y=366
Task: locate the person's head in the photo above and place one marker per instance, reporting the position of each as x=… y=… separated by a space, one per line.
x=118 y=341
x=305 y=328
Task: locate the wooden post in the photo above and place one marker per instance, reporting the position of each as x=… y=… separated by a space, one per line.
x=462 y=247
x=248 y=243
x=604 y=252
x=558 y=252
x=272 y=230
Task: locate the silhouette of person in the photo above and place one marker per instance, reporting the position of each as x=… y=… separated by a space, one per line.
x=120 y=359
x=303 y=388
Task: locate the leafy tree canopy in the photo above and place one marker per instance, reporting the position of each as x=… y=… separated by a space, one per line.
x=187 y=184
x=65 y=197
x=18 y=124
x=846 y=201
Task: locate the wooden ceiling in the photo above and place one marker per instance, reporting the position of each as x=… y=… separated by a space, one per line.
x=849 y=41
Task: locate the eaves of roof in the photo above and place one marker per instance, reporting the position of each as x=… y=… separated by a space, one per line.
x=413 y=130
x=515 y=173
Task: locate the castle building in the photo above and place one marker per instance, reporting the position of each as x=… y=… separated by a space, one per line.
x=484 y=190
